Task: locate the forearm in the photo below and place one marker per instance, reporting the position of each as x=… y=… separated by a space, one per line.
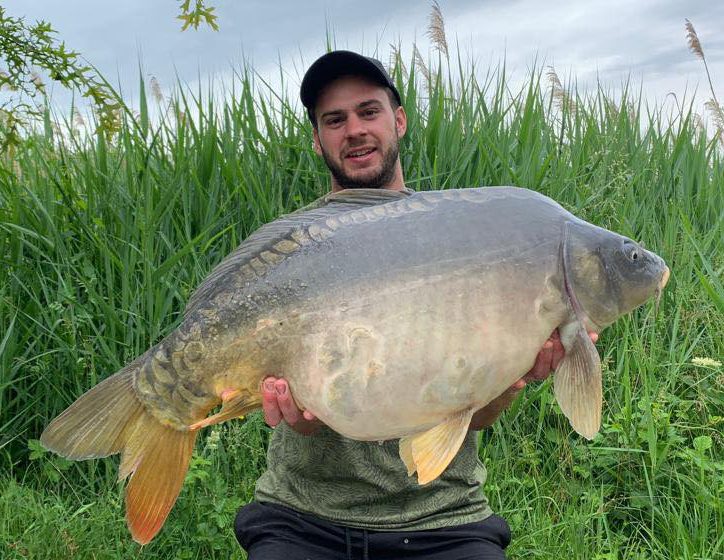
x=306 y=427
x=486 y=416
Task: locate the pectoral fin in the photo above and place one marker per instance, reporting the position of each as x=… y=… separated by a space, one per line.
x=577 y=383
x=235 y=403
x=430 y=452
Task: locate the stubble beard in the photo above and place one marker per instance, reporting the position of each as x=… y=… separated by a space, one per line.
x=378 y=181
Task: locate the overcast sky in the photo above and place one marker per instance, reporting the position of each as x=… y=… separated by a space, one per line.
x=608 y=40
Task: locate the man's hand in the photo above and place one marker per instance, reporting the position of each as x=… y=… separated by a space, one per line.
x=546 y=361
x=549 y=358
x=279 y=405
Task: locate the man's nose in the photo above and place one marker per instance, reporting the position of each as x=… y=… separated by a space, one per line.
x=356 y=126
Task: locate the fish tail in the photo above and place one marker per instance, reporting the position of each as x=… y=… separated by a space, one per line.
x=111 y=419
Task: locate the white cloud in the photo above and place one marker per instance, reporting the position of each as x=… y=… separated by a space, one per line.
x=607 y=40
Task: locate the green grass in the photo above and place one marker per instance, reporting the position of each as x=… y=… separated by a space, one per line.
x=102 y=241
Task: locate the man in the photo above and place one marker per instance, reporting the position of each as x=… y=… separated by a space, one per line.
x=325 y=496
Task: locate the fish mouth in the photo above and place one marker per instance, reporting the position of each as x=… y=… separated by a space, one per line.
x=664 y=278
x=662 y=283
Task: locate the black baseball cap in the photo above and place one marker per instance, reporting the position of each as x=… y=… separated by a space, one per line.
x=334 y=64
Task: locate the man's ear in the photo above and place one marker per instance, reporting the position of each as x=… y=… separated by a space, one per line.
x=400 y=121
x=316 y=143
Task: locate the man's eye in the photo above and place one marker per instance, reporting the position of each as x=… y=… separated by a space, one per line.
x=334 y=121
x=370 y=112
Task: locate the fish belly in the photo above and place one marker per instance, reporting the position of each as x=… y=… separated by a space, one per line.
x=395 y=361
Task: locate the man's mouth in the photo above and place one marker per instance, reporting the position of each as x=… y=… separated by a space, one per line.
x=361 y=154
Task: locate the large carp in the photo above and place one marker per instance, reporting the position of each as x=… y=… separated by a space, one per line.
x=444 y=297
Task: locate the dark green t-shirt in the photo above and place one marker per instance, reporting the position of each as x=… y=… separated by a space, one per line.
x=365 y=484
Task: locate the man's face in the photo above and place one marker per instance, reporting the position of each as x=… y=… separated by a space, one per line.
x=358 y=134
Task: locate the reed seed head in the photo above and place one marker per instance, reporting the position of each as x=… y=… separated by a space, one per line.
x=395 y=59
x=78 y=119
x=156 y=90
x=420 y=63
x=716 y=112
x=561 y=97
x=693 y=40
x=436 y=29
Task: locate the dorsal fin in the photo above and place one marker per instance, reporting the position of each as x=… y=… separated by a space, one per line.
x=271 y=243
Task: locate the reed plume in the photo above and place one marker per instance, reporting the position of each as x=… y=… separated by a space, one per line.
x=717 y=115
x=156 y=90
x=698 y=122
x=713 y=105
x=693 y=39
x=78 y=119
x=395 y=59
x=420 y=64
x=561 y=97
x=436 y=29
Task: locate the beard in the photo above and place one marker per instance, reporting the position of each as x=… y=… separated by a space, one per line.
x=378 y=181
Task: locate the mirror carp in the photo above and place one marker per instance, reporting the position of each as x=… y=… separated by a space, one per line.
x=390 y=319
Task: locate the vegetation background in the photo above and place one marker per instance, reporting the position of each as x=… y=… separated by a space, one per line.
x=104 y=233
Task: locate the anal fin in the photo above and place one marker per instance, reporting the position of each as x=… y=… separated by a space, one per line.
x=577 y=382
x=235 y=403
x=429 y=453
x=406 y=455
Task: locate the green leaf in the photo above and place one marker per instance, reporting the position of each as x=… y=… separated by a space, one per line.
x=702 y=443
x=37 y=451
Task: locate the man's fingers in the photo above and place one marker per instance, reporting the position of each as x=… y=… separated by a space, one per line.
x=518 y=385
x=557 y=351
x=550 y=357
x=272 y=414
x=542 y=367
x=290 y=411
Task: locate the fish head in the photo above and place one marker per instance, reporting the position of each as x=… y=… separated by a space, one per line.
x=608 y=275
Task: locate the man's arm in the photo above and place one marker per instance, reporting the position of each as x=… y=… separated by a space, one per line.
x=279 y=405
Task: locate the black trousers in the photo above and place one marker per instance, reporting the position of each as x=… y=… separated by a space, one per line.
x=272 y=532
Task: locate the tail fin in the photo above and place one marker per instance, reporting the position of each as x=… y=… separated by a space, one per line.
x=110 y=419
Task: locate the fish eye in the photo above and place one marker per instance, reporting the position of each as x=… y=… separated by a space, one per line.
x=631 y=251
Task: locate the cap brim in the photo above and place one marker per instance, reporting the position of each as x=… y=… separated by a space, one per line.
x=334 y=65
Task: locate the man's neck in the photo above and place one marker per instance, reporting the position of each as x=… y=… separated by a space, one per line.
x=337 y=188
x=396 y=184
